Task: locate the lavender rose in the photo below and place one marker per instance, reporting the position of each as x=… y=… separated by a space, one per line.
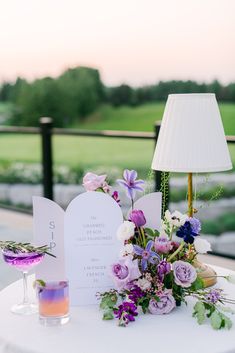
x=164 y=306
x=125 y=271
x=137 y=217
x=184 y=273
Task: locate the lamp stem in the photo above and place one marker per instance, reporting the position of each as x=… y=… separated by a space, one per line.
x=190 y=194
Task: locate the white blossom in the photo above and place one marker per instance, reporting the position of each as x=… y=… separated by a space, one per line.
x=143 y=283
x=175 y=219
x=126 y=230
x=202 y=246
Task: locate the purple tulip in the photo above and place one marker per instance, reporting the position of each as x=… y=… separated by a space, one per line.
x=125 y=271
x=137 y=217
x=184 y=273
x=164 y=306
x=163 y=268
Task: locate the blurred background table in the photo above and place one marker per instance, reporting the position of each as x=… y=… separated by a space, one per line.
x=87 y=333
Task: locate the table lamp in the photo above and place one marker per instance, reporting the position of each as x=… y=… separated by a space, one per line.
x=192 y=140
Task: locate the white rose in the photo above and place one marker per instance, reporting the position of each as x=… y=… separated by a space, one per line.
x=202 y=246
x=126 y=230
x=143 y=283
x=127 y=250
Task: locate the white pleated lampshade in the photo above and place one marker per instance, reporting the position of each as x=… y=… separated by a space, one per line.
x=191 y=137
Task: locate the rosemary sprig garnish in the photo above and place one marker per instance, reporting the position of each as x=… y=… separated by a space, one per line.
x=24 y=247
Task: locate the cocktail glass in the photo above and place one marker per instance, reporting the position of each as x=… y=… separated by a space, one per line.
x=53 y=298
x=23 y=262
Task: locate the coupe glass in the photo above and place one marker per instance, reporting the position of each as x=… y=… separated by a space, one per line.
x=23 y=262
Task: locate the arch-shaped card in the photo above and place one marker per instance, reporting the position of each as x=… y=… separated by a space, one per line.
x=91 y=245
x=48 y=219
x=151 y=205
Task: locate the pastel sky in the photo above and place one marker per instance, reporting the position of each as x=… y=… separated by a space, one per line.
x=133 y=41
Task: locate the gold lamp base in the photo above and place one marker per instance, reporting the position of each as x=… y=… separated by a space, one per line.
x=207 y=274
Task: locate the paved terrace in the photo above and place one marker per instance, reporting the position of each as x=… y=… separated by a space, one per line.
x=19 y=227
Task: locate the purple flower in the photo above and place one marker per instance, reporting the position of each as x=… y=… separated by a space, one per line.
x=135 y=293
x=214 y=295
x=147 y=254
x=115 y=196
x=130 y=183
x=195 y=224
x=186 y=232
x=163 y=268
x=126 y=313
x=137 y=217
x=124 y=272
x=164 y=306
x=162 y=245
x=184 y=273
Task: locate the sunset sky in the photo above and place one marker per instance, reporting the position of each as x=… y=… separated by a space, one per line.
x=133 y=41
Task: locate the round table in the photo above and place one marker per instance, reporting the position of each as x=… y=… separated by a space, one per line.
x=88 y=333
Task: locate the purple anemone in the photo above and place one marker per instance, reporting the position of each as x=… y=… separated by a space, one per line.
x=130 y=183
x=147 y=254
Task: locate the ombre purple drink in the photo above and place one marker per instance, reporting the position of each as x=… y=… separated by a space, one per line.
x=53 y=300
x=22 y=261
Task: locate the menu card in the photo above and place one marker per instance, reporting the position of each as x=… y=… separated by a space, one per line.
x=91 y=245
x=48 y=219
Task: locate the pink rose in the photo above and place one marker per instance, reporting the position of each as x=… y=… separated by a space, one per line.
x=92 y=182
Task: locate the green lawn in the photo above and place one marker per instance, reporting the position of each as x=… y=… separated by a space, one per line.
x=90 y=152
x=142 y=118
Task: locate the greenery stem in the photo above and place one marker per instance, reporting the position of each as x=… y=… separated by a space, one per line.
x=176 y=251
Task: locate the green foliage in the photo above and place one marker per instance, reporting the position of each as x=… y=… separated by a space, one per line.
x=197 y=284
x=224 y=223
x=199 y=312
x=107 y=304
x=217 y=319
x=76 y=93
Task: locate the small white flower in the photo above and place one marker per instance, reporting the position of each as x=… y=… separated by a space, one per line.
x=175 y=219
x=202 y=246
x=231 y=279
x=126 y=230
x=143 y=283
x=127 y=250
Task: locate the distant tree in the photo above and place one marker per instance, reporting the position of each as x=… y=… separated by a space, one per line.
x=121 y=95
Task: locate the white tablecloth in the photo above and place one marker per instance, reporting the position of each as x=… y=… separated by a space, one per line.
x=87 y=333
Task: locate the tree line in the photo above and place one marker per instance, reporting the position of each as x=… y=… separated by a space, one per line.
x=78 y=92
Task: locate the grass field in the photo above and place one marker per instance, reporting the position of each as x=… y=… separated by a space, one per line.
x=91 y=152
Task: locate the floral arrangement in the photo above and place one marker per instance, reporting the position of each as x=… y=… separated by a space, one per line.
x=155 y=272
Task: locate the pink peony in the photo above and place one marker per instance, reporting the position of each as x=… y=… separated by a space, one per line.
x=92 y=182
x=162 y=245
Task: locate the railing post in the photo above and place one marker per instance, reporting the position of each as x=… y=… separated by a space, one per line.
x=158 y=173
x=47 y=162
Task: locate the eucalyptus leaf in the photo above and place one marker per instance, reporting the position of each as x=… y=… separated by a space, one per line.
x=216 y=320
x=108 y=314
x=199 y=312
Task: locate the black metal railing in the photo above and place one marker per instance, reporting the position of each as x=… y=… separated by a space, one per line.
x=46 y=131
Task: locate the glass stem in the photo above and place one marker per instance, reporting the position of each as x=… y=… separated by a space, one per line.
x=25 y=286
